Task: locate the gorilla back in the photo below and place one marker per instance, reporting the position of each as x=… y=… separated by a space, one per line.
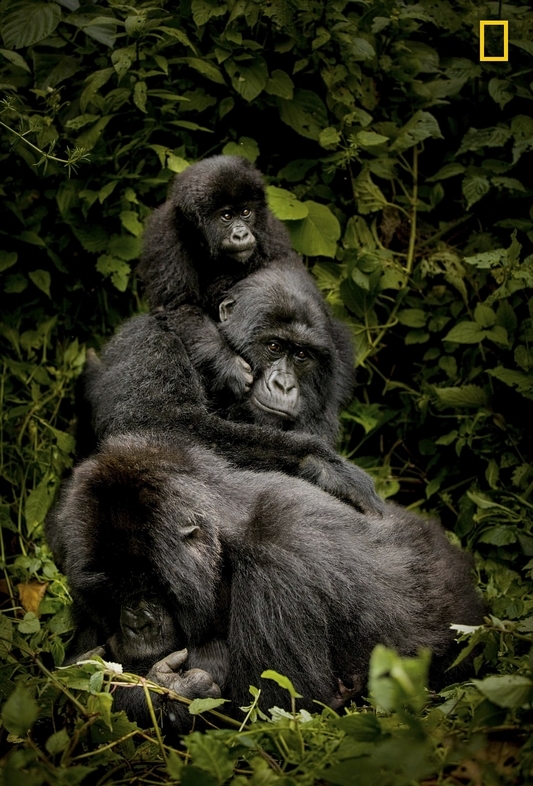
x=290 y=578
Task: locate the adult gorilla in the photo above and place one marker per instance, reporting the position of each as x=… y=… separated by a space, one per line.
x=213 y=230
x=250 y=571
x=146 y=381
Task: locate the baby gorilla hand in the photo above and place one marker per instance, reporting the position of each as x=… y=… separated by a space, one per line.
x=192 y=684
x=239 y=377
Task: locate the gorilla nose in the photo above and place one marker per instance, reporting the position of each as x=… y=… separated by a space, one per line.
x=241 y=236
x=284 y=383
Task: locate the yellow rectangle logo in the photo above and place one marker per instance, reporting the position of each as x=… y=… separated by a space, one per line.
x=505 y=25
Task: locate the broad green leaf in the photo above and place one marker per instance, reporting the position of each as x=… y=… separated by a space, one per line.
x=26 y=23
x=130 y=220
x=474 y=188
x=466 y=333
x=38 y=503
x=248 y=77
x=30 y=623
x=368 y=195
x=506 y=690
x=501 y=90
x=318 y=233
x=515 y=379
x=488 y=259
x=484 y=316
x=282 y=681
x=370 y=138
x=139 y=96
x=474 y=139
x=329 y=137
x=125 y=247
x=421 y=126
x=246 y=147
x=305 y=113
x=204 y=10
x=361 y=49
x=41 y=279
x=122 y=60
x=57 y=742
x=285 y=205
x=20 y=711
x=280 y=84
x=446 y=171
x=7 y=260
x=16 y=59
x=498 y=536
x=412 y=317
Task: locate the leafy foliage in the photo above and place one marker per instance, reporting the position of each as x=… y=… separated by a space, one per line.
x=398 y=162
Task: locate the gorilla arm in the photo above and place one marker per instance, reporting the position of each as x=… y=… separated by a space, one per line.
x=146 y=382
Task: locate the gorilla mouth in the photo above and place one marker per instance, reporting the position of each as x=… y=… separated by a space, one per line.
x=281 y=413
x=243 y=255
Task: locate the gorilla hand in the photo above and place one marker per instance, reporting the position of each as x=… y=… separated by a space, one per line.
x=192 y=684
x=342 y=479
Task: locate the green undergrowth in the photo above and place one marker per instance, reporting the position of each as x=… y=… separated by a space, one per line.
x=400 y=164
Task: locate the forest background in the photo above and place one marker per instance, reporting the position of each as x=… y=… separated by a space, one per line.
x=401 y=164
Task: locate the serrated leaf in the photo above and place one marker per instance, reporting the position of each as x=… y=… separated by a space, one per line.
x=204 y=10
x=30 y=623
x=130 y=220
x=368 y=195
x=246 y=147
x=249 y=77
x=27 y=23
x=115 y=268
x=465 y=396
x=474 y=188
x=38 y=503
x=484 y=316
x=197 y=706
x=125 y=247
x=329 y=137
x=506 y=690
x=19 y=712
x=285 y=205
x=412 y=317
x=515 y=379
x=318 y=233
x=210 y=755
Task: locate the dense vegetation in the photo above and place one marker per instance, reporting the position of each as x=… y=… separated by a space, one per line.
x=400 y=163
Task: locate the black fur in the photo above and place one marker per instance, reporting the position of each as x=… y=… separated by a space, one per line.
x=189 y=255
x=145 y=381
x=286 y=576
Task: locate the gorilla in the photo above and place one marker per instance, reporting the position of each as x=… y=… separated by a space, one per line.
x=249 y=571
x=213 y=230
x=145 y=381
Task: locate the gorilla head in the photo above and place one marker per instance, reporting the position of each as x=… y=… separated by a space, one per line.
x=301 y=359
x=214 y=225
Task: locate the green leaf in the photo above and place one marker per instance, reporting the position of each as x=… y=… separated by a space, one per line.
x=474 y=188
x=421 y=126
x=501 y=90
x=206 y=68
x=117 y=269
x=38 y=503
x=7 y=260
x=204 y=10
x=484 y=316
x=282 y=681
x=57 y=742
x=139 y=96
x=130 y=220
x=285 y=205
x=466 y=333
x=30 y=623
x=16 y=59
x=6 y=635
x=506 y=690
x=498 y=536
x=280 y=84
x=27 y=23
x=370 y=139
x=448 y=170
x=197 y=706
x=246 y=147
x=122 y=60
x=329 y=137
x=465 y=396
x=515 y=379
x=306 y=113
x=412 y=317
x=318 y=233
x=368 y=195
x=210 y=755
x=20 y=711
x=249 y=77
x=125 y=247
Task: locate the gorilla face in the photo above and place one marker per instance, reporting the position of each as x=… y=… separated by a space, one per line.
x=231 y=233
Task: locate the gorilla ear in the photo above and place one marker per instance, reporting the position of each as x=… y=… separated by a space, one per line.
x=225 y=309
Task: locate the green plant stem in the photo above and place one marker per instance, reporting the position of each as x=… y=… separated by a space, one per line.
x=154 y=721
x=414 y=203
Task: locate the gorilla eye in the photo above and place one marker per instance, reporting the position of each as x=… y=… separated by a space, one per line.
x=275 y=347
x=246 y=212
x=226 y=215
x=302 y=354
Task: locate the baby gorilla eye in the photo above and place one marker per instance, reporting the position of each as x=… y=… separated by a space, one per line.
x=226 y=215
x=246 y=212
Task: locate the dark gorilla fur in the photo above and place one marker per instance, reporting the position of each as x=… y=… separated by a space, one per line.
x=310 y=377
x=213 y=230
x=286 y=576
x=145 y=381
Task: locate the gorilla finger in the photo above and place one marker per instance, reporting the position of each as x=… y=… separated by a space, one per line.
x=242 y=362
x=199 y=684
x=99 y=651
x=171 y=663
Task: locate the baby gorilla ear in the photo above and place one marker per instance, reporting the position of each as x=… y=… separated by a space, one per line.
x=225 y=310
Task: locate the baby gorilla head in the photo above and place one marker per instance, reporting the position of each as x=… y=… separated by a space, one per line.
x=300 y=357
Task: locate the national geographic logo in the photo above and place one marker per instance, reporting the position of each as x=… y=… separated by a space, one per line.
x=493 y=46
